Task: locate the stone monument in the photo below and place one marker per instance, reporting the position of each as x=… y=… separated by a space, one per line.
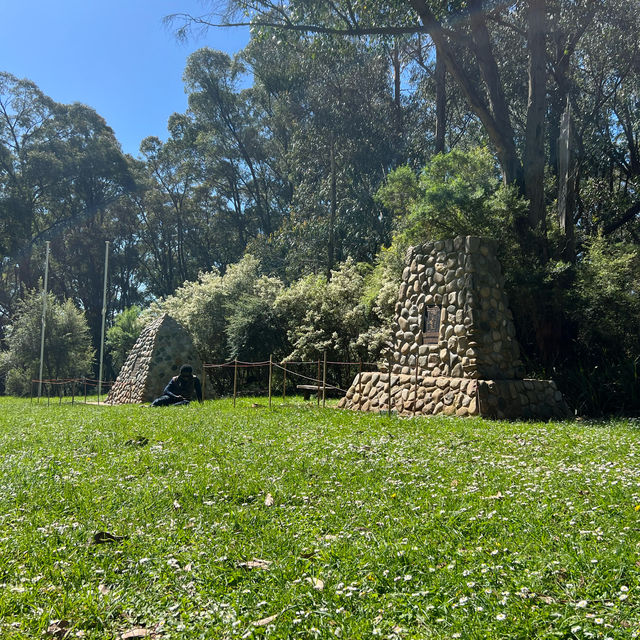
x=162 y=348
x=454 y=348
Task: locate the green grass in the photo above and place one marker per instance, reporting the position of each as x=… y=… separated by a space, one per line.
x=379 y=527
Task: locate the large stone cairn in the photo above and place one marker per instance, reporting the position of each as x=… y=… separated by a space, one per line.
x=162 y=348
x=454 y=348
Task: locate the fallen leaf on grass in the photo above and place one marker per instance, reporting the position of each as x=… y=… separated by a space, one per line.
x=498 y=496
x=58 y=628
x=265 y=621
x=138 y=632
x=138 y=441
x=268 y=501
x=316 y=583
x=256 y=563
x=309 y=554
x=103 y=589
x=104 y=537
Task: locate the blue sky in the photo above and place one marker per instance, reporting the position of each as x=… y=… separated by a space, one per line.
x=113 y=55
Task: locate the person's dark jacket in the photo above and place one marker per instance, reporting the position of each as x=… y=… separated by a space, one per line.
x=186 y=388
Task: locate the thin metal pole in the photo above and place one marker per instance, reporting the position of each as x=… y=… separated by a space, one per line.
x=270 y=375
x=44 y=315
x=104 y=316
x=73 y=392
x=324 y=380
x=235 y=381
x=85 y=389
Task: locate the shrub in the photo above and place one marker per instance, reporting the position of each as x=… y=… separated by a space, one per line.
x=122 y=335
x=67 y=343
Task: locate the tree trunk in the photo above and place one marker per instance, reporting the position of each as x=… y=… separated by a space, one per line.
x=495 y=120
x=566 y=184
x=441 y=102
x=534 y=136
x=332 y=208
x=397 y=101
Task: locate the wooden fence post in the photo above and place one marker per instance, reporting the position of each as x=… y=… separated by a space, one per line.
x=360 y=386
x=235 y=381
x=318 y=384
x=415 y=389
x=389 y=387
x=284 y=381
x=204 y=380
x=270 y=374
x=324 y=380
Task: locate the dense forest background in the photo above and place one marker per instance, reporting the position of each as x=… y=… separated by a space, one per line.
x=275 y=217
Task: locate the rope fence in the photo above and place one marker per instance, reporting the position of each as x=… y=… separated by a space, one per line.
x=317 y=383
x=64 y=387
x=307 y=383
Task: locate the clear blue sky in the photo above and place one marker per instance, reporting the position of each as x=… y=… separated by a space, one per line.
x=113 y=55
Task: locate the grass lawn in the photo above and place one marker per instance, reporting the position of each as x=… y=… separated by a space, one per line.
x=302 y=522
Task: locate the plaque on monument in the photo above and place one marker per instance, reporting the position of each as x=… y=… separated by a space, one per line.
x=430 y=324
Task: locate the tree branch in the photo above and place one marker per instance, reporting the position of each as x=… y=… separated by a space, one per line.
x=305 y=28
x=627 y=216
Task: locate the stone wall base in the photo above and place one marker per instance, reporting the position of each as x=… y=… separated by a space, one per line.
x=455 y=396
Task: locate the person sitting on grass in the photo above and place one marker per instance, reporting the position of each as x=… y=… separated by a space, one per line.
x=180 y=389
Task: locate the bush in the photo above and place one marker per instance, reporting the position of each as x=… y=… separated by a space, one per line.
x=230 y=315
x=603 y=373
x=327 y=315
x=67 y=343
x=122 y=335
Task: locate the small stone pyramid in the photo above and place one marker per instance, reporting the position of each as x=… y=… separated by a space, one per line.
x=454 y=348
x=162 y=348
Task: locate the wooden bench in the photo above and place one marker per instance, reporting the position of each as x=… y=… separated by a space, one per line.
x=308 y=389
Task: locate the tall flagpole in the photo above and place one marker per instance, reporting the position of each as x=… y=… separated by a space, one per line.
x=44 y=317
x=104 y=315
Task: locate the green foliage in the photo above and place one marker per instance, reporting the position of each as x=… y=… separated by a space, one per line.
x=330 y=118
x=255 y=327
x=230 y=315
x=400 y=191
x=604 y=306
x=67 y=344
x=457 y=193
x=63 y=176
x=327 y=315
x=380 y=296
x=608 y=297
x=122 y=335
